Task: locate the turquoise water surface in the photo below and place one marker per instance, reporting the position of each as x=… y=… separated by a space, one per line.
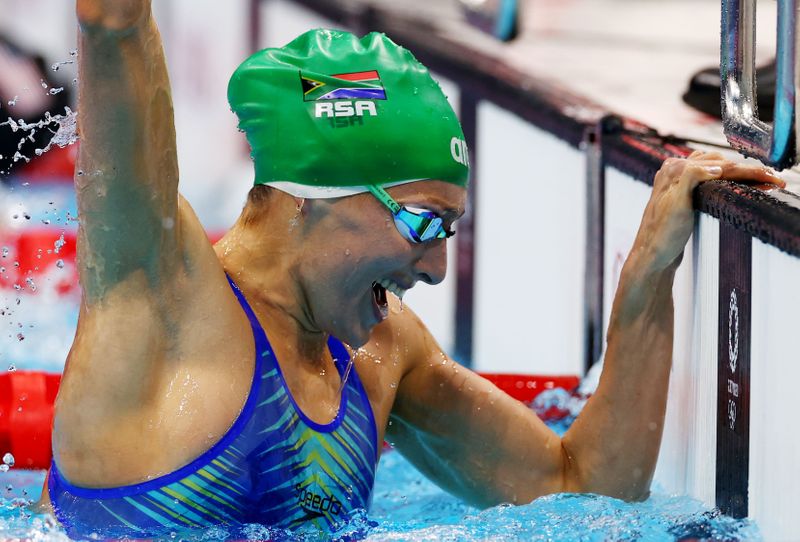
x=409 y=507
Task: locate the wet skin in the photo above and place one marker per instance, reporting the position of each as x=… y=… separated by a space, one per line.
x=163 y=357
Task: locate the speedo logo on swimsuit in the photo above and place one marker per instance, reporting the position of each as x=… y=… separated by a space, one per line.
x=314 y=502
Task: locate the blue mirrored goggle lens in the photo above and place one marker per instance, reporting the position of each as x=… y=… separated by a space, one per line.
x=419 y=227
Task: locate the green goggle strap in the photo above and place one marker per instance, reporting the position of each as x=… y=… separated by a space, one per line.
x=384 y=197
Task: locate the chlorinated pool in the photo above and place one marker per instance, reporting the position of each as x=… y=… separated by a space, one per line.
x=409 y=507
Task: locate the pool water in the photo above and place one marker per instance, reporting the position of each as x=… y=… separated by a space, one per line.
x=406 y=506
x=409 y=507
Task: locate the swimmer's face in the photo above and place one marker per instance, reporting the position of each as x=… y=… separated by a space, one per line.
x=353 y=243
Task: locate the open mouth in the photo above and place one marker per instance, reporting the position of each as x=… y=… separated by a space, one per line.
x=381 y=301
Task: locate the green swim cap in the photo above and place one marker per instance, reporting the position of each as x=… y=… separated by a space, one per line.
x=330 y=113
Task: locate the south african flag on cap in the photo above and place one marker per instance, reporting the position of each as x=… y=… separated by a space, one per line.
x=364 y=85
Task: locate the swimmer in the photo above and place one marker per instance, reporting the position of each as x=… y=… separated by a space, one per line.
x=204 y=385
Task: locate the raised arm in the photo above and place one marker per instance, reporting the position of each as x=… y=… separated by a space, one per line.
x=127 y=173
x=488 y=449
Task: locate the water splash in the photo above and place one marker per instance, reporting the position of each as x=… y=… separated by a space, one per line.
x=63 y=127
x=407 y=506
x=59 y=243
x=57 y=66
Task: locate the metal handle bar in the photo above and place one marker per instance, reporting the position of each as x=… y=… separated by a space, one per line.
x=772 y=144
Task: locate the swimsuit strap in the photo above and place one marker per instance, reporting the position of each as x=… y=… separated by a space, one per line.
x=262 y=344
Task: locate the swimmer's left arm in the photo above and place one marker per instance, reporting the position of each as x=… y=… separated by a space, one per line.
x=487 y=448
x=465 y=434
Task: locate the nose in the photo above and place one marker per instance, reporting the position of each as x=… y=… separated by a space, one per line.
x=431 y=267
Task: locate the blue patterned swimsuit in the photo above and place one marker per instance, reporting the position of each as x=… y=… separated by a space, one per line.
x=274 y=467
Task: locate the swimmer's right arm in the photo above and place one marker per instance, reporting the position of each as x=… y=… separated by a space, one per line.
x=127 y=174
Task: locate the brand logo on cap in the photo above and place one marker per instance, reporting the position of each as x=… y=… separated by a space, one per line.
x=459 y=151
x=365 y=85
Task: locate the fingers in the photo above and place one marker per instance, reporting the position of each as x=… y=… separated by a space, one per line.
x=703 y=155
x=750 y=174
x=697 y=172
x=701 y=167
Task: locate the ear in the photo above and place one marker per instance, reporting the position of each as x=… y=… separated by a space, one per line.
x=300 y=205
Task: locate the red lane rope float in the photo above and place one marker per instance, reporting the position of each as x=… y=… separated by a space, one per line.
x=46 y=253
x=27 y=399
x=58 y=164
x=26 y=416
x=40 y=252
x=526 y=388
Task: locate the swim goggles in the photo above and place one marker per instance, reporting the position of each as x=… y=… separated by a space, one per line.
x=418 y=227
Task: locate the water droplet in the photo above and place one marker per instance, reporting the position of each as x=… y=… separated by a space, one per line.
x=60 y=264
x=8 y=459
x=20 y=337
x=13 y=102
x=59 y=243
x=54 y=91
x=4 y=252
x=4 y=468
x=347 y=252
